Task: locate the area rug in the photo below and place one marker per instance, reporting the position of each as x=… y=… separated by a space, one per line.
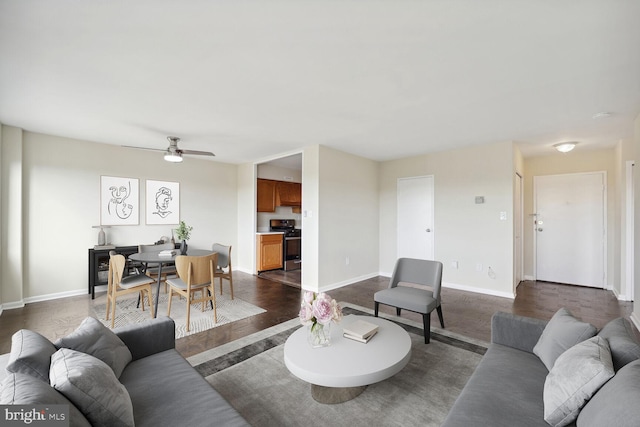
x=250 y=373
x=229 y=310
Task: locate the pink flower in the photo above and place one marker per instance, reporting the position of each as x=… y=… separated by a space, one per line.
x=322 y=310
x=306 y=313
x=308 y=297
x=336 y=311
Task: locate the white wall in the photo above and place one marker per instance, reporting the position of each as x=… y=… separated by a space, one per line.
x=635 y=316
x=348 y=218
x=464 y=231
x=246 y=248
x=577 y=161
x=61 y=193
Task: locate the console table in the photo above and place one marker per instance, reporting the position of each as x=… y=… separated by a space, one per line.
x=99 y=265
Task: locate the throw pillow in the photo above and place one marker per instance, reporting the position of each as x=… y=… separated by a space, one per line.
x=577 y=374
x=91 y=385
x=624 y=346
x=616 y=403
x=561 y=333
x=23 y=389
x=93 y=338
x=30 y=354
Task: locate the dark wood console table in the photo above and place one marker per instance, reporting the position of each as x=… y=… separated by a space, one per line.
x=99 y=265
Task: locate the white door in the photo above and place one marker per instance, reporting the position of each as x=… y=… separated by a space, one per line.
x=517 y=229
x=570 y=228
x=415 y=217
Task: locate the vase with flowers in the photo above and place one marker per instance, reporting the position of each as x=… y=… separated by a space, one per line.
x=317 y=311
x=183 y=232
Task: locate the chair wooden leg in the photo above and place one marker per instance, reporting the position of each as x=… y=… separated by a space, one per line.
x=439 y=310
x=169 y=303
x=188 y=312
x=150 y=302
x=213 y=302
x=375 y=308
x=108 y=301
x=113 y=312
x=398 y=310
x=426 y=321
x=231 y=284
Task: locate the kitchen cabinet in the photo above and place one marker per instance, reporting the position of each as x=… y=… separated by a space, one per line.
x=289 y=194
x=272 y=193
x=270 y=254
x=266 y=195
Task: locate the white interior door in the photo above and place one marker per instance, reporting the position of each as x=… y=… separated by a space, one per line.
x=415 y=217
x=570 y=228
x=517 y=229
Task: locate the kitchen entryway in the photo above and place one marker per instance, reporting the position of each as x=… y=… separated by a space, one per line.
x=290 y=278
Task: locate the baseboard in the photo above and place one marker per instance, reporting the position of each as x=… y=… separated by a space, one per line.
x=20 y=304
x=619 y=296
x=529 y=278
x=466 y=288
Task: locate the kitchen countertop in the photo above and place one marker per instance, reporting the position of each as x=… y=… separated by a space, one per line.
x=270 y=232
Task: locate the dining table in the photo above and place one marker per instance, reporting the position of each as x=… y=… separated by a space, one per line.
x=154 y=257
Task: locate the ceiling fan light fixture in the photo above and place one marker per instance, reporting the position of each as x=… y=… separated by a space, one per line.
x=172 y=157
x=565 y=147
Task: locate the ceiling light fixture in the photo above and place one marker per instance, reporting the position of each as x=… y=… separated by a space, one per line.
x=601 y=115
x=173 y=157
x=565 y=147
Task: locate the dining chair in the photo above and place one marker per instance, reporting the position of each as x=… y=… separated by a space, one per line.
x=224 y=270
x=419 y=298
x=152 y=269
x=118 y=285
x=195 y=273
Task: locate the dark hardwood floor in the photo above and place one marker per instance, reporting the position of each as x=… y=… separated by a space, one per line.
x=465 y=313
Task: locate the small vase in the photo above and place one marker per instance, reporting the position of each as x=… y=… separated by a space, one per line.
x=319 y=335
x=183 y=247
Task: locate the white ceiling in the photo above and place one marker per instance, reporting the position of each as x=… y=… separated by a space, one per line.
x=382 y=79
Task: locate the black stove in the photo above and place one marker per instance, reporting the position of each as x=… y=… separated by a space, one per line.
x=292 y=247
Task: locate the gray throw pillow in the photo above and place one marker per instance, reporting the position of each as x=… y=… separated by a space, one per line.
x=91 y=385
x=30 y=354
x=624 y=346
x=22 y=389
x=616 y=403
x=561 y=333
x=577 y=374
x=93 y=338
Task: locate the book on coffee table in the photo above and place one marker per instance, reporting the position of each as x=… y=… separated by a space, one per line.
x=360 y=329
x=355 y=338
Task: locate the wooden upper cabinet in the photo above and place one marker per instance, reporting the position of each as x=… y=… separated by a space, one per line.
x=289 y=193
x=266 y=195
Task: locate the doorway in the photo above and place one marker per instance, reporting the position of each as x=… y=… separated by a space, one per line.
x=415 y=217
x=570 y=228
x=518 y=228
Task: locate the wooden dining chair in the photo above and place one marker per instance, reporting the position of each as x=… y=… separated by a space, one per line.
x=224 y=270
x=118 y=285
x=153 y=269
x=195 y=274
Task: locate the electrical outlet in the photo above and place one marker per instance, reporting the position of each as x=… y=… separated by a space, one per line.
x=454 y=265
x=479 y=266
x=347 y=261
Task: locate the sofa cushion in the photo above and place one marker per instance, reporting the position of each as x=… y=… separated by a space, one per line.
x=23 y=389
x=577 y=374
x=92 y=386
x=189 y=392
x=505 y=390
x=616 y=403
x=30 y=354
x=93 y=338
x=561 y=333
x=624 y=346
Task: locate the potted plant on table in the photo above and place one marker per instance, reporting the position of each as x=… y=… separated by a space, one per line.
x=183 y=232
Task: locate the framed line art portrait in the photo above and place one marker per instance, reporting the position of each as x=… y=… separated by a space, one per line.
x=163 y=202
x=119 y=201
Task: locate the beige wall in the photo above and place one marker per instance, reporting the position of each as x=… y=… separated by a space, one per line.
x=464 y=231
x=60 y=191
x=577 y=161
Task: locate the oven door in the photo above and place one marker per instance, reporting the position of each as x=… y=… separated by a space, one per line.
x=292 y=253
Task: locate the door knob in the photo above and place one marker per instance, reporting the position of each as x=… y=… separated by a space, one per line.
x=428 y=230
x=540 y=229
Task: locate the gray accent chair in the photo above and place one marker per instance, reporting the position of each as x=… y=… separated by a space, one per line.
x=420 y=300
x=224 y=270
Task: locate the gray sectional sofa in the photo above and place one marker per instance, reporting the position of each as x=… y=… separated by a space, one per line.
x=513 y=386
x=134 y=376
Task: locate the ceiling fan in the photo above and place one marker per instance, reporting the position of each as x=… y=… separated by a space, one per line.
x=173 y=153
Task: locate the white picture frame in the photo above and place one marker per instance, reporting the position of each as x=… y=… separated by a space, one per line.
x=119 y=201
x=162 y=202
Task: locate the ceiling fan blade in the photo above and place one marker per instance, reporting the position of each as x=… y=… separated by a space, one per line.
x=195 y=152
x=144 y=148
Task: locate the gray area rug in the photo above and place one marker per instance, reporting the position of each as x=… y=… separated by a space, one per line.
x=250 y=373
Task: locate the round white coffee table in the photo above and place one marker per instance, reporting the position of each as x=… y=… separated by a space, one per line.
x=342 y=371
